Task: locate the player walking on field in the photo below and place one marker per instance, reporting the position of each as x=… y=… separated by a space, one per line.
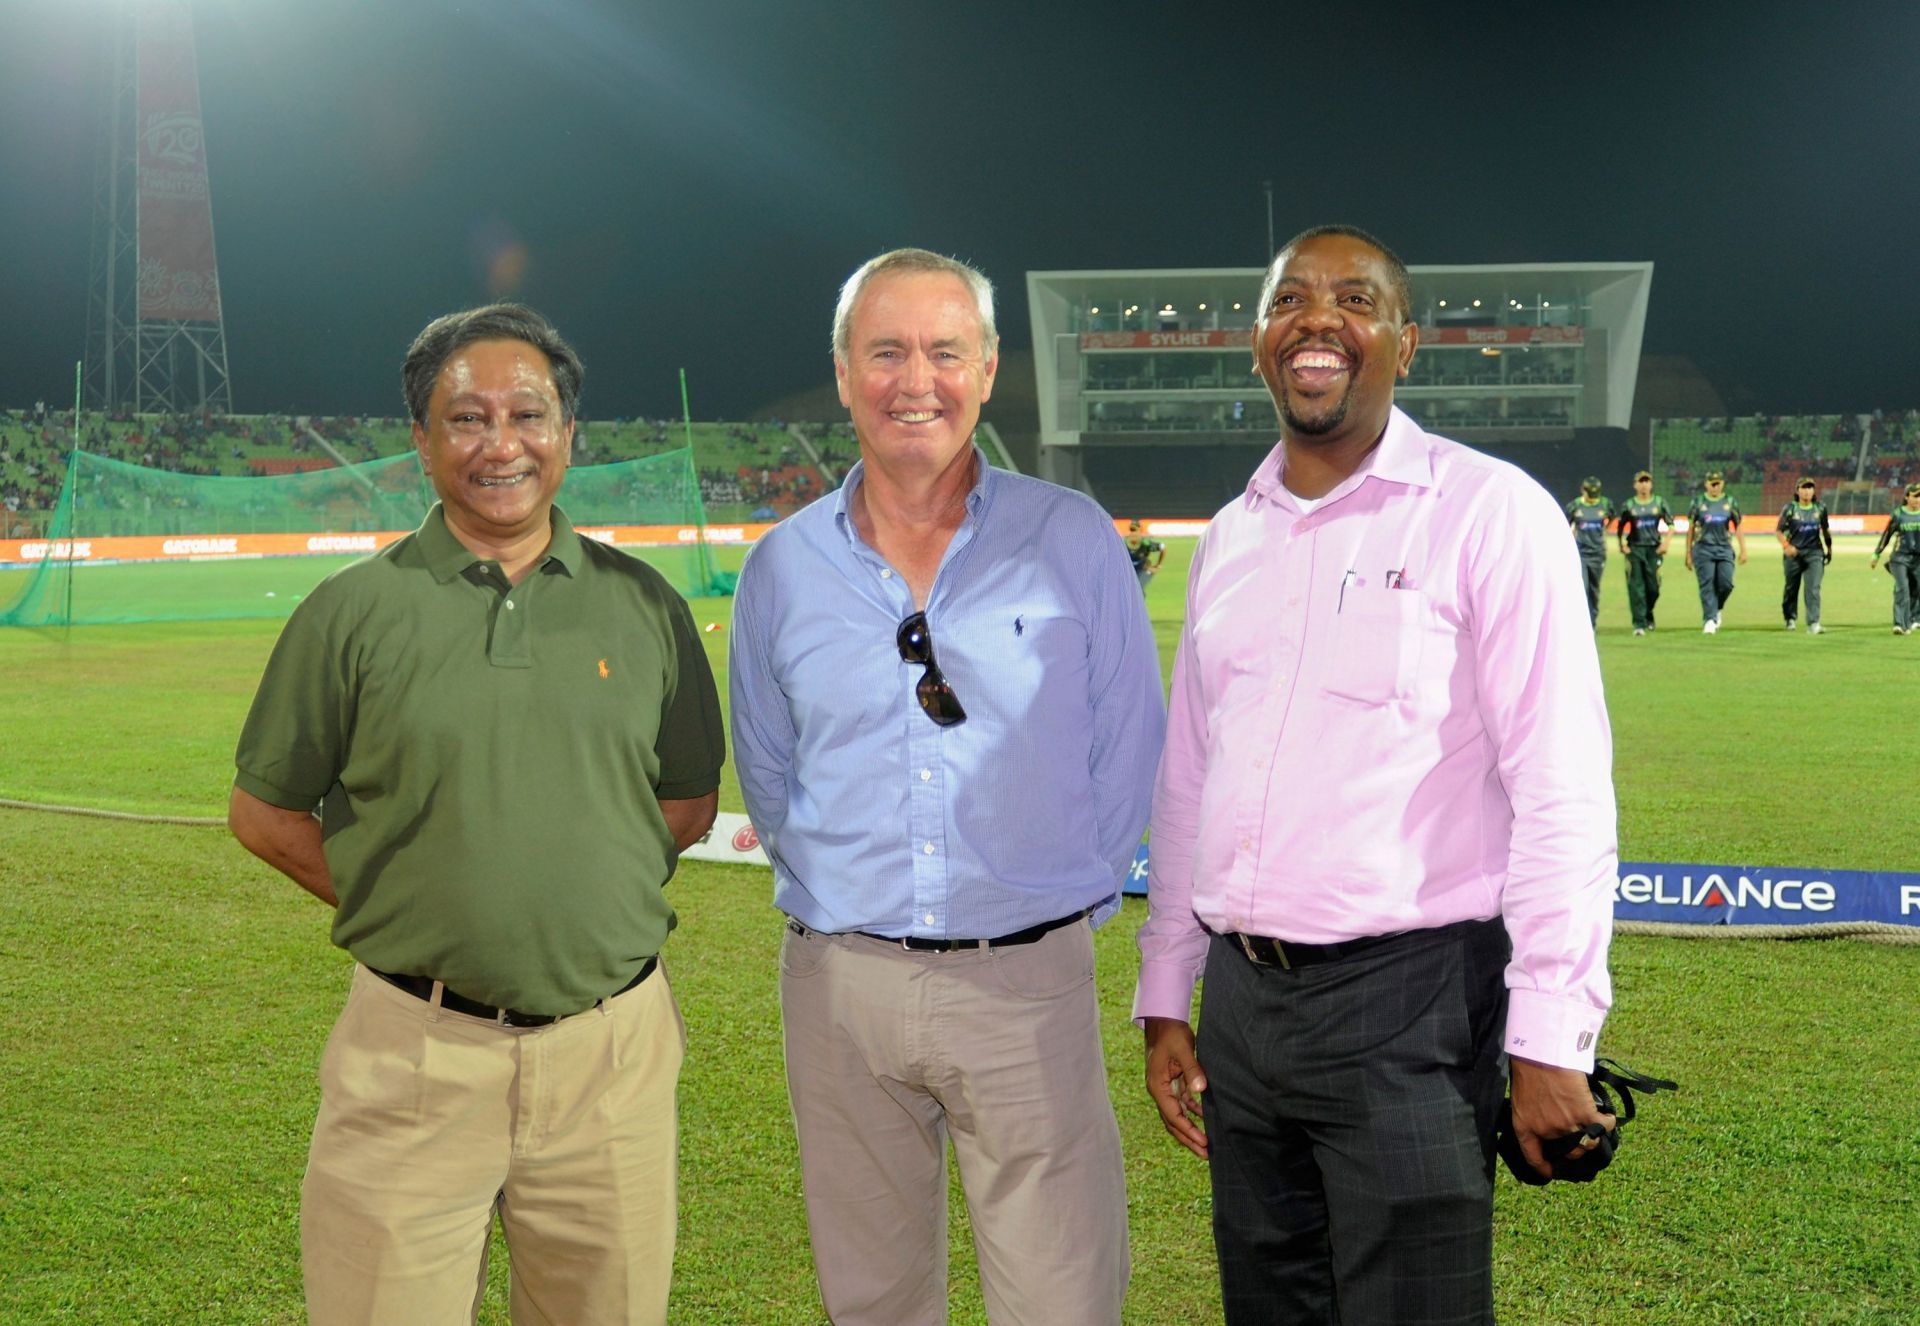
x=1903 y=532
x=1713 y=528
x=1806 y=546
x=1588 y=515
x=1145 y=554
x=1645 y=527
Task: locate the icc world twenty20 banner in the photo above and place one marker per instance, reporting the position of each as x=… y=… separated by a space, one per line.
x=177 y=269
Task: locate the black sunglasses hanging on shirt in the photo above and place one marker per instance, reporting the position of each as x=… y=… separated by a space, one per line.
x=936 y=697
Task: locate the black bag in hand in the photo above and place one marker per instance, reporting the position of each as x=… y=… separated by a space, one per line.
x=1571 y=1161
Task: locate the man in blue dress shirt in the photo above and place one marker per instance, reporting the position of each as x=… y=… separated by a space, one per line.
x=946 y=712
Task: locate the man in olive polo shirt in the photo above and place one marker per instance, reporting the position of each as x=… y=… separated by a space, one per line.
x=510 y=733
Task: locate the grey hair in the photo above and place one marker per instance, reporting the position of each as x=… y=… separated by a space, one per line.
x=443 y=337
x=1396 y=270
x=913 y=260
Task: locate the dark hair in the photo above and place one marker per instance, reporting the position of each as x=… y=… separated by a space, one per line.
x=1396 y=269
x=443 y=337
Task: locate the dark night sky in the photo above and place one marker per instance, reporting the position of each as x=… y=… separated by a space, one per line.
x=692 y=180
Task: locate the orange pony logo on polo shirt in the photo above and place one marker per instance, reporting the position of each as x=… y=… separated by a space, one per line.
x=603 y=669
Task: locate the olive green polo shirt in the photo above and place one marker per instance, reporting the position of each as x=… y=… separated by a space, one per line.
x=490 y=760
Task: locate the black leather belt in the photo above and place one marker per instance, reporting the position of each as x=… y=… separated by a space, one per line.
x=1027 y=936
x=1265 y=952
x=421 y=987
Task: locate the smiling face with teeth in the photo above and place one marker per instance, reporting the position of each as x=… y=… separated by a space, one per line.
x=1332 y=340
x=496 y=444
x=915 y=372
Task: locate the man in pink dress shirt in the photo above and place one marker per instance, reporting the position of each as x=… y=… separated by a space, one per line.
x=1379 y=827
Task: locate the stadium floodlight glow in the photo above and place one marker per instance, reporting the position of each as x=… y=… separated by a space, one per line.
x=1094 y=311
x=1476 y=303
x=1203 y=308
x=1236 y=308
x=1443 y=303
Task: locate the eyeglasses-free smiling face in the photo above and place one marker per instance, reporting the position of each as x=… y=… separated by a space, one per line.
x=917 y=369
x=495 y=442
x=1334 y=340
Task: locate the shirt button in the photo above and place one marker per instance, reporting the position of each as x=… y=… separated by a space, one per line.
x=928 y=849
x=509 y=605
x=1246 y=844
x=925 y=774
x=929 y=918
x=886 y=575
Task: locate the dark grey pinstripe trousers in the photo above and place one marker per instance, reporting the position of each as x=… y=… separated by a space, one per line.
x=1349 y=1114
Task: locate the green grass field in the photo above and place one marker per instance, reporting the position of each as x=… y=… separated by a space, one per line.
x=169 y=997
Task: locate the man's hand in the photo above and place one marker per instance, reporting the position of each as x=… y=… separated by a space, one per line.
x=1547 y=1103
x=1175 y=1081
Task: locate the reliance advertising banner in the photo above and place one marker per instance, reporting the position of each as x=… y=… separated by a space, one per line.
x=1736 y=895
x=178 y=280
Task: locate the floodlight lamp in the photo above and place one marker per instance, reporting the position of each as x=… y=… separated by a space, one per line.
x=1094 y=311
x=1443 y=303
x=1166 y=308
x=1236 y=308
x=1203 y=308
x=1476 y=303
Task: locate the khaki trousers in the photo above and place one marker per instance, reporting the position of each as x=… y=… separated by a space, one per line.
x=888 y=1053
x=430 y=1120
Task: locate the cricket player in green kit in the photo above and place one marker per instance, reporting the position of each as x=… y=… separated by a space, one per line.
x=1588 y=515
x=1645 y=527
x=1806 y=546
x=1903 y=532
x=1713 y=528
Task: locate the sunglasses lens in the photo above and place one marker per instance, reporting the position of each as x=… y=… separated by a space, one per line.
x=915 y=640
x=938 y=700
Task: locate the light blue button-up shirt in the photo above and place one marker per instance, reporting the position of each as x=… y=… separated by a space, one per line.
x=876 y=818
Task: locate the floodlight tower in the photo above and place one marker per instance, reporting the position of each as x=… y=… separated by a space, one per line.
x=156 y=336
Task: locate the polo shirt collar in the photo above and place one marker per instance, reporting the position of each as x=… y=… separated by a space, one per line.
x=1401 y=457
x=446 y=557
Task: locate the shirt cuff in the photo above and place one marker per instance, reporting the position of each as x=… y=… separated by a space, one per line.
x=1552 y=1029
x=1165 y=991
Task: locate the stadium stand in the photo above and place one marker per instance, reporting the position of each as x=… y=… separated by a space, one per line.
x=1860 y=461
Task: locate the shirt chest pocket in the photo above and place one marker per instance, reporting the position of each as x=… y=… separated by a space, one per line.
x=1375 y=650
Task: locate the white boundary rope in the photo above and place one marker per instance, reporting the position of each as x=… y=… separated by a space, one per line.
x=195 y=821
x=1875 y=932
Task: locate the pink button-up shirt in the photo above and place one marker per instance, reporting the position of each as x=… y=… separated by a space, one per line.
x=1387 y=715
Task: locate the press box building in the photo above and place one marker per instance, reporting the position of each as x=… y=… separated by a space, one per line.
x=1149 y=401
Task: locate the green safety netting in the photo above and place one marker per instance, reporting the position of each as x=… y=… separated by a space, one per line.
x=104 y=499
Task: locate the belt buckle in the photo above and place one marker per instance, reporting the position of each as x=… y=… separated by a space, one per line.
x=1279 y=951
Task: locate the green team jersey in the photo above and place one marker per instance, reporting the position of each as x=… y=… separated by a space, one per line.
x=1141 y=553
x=1713 y=518
x=1903 y=532
x=1643 y=520
x=1805 y=526
x=1589 y=521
